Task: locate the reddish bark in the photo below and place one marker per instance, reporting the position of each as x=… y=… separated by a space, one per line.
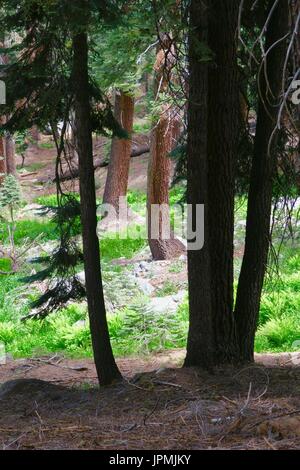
x=118 y=168
x=163 y=140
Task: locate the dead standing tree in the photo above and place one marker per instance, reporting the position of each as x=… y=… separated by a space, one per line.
x=118 y=168
x=164 y=136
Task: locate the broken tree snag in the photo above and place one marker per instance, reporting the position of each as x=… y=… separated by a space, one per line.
x=164 y=135
x=118 y=168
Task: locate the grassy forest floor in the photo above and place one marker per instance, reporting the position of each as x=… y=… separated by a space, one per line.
x=158 y=405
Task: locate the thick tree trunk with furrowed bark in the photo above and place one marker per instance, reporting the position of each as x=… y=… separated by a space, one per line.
x=107 y=369
x=223 y=118
x=200 y=344
x=212 y=146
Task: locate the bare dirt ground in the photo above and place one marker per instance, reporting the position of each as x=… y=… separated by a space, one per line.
x=55 y=403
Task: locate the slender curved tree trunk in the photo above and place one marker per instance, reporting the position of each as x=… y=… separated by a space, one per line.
x=118 y=168
x=162 y=241
x=2 y=153
x=261 y=183
x=107 y=369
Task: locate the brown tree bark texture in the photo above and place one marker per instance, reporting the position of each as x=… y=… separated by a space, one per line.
x=118 y=168
x=212 y=145
x=200 y=344
x=11 y=167
x=223 y=118
x=163 y=140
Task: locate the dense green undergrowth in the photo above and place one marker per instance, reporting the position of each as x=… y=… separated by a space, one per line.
x=135 y=328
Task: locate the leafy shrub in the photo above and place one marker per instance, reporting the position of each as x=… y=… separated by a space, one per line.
x=278 y=334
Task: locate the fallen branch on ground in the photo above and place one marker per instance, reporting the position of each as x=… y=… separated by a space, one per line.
x=100 y=163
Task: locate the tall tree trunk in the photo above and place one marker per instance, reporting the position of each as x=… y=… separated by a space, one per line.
x=212 y=146
x=118 y=168
x=162 y=242
x=7 y=144
x=3 y=60
x=223 y=118
x=261 y=184
x=2 y=153
x=11 y=167
x=200 y=344
x=107 y=369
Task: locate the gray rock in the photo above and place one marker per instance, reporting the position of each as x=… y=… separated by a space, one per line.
x=179 y=297
x=144 y=266
x=42 y=249
x=80 y=324
x=163 y=305
x=144 y=286
x=81 y=277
